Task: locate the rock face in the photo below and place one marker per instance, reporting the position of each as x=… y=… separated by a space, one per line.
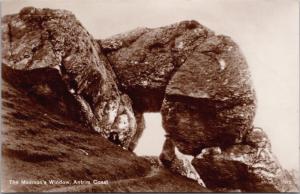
x=209 y=100
x=249 y=167
x=49 y=55
x=145 y=59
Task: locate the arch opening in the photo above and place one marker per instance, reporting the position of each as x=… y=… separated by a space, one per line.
x=153 y=137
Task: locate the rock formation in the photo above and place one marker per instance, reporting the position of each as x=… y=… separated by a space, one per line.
x=209 y=100
x=145 y=59
x=201 y=78
x=49 y=55
x=249 y=167
x=176 y=162
x=199 y=82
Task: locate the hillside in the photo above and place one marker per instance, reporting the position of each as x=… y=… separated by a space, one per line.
x=41 y=145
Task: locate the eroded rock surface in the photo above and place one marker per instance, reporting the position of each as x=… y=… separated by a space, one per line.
x=177 y=163
x=249 y=167
x=209 y=100
x=50 y=55
x=145 y=59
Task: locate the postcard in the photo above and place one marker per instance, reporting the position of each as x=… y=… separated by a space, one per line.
x=150 y=96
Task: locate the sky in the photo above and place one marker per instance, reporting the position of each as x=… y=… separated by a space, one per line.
x=266 y=30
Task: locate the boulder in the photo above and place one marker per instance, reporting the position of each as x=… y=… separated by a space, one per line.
x=145 y=59
x=209 y=100
x=249 y=167
x=51 y=57
x=177 y=162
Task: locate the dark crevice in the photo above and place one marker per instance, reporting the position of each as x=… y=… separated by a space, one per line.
x=10 y=37
x=146 y=100
x=50 y=38
x=156 y=45
x=113 y=69
x=34 y=50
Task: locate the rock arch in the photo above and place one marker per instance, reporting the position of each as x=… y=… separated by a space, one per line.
x=198 y=80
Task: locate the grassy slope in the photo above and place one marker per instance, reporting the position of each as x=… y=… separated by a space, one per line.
x=40 y=145
x=159 y=180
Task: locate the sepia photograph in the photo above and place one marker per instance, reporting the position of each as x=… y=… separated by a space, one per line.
x=150 y=96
